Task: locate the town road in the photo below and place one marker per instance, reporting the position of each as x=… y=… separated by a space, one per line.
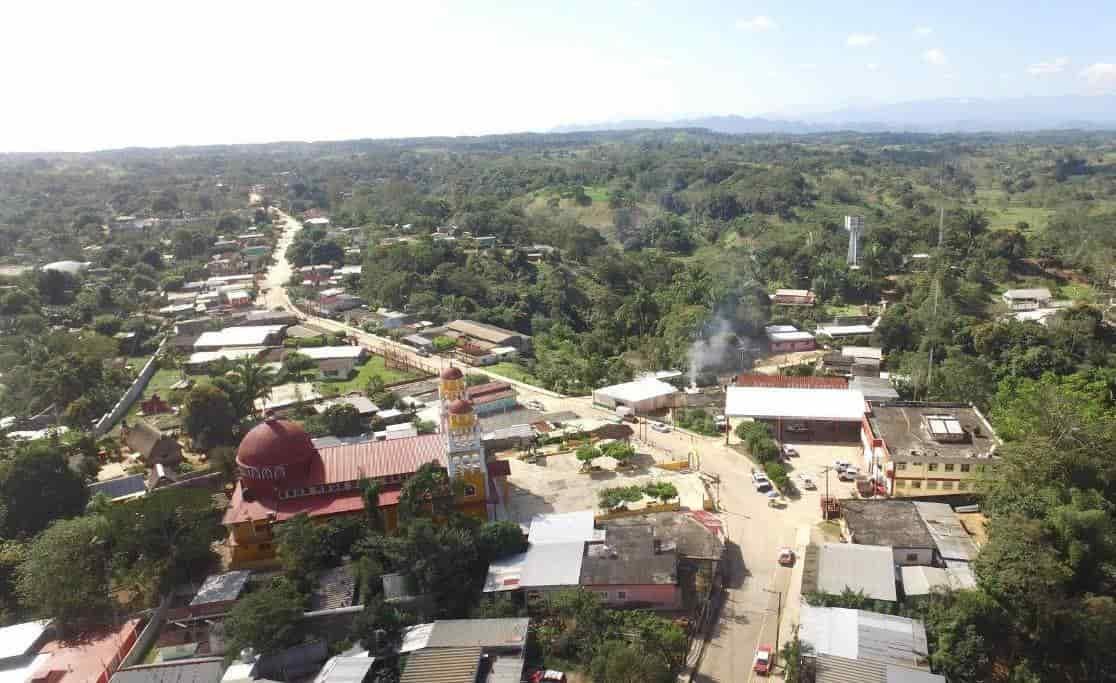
x=756 y=586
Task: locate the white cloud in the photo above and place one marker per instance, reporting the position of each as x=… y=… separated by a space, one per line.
x=1054 y=66
x=935 y=56
x=923 y=30
x=1100 y=76
x=872 y=66
x=757 y=24
x=861 y=39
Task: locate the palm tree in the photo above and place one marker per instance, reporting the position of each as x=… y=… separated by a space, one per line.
x=254 y=380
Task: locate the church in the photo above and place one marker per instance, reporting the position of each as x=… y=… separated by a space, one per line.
x=281 y=474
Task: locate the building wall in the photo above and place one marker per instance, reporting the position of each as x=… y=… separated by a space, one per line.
x=497 y=406
x=928 y=476
x=910 y=557
x=793 y=346
x=666 y=596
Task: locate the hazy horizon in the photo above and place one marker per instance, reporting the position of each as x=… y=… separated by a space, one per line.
x=132 y=74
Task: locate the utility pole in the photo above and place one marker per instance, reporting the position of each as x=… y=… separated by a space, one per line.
x=778 y=622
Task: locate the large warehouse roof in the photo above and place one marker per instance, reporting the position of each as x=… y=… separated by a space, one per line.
x=248 y=335
x=800 y=404
x=644 y=389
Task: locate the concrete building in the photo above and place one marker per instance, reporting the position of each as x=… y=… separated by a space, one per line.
x=492 y=397
x=642 y=396
x=793 y=297
x=1027 y=299
x=834 y=567
x=788 y=339
x=893 y=524
x=927 y=448
x=489 y=335
x=799 y=415
x=240 y=337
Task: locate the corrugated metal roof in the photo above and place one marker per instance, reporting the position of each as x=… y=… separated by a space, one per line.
x=221 y=588
x=331 y=352
x=857 y=634
x=17 y=639
x=804 y=404
x=120 y=487
x=553 y=564
x=246 y=335
x=206 y=670
x=345 y=670
x=442 y=665
x=954 y=543
x=562 y=527
x=867 y=568
x=832 y=669
x=482 y=331
x=495 y=633
x=505 y=574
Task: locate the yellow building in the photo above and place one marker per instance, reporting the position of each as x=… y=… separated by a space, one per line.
x=282 y=474
x=928 y=448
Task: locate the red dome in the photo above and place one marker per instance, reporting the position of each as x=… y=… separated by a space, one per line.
x=275 y=451
x=460 y=407
x=452 y=373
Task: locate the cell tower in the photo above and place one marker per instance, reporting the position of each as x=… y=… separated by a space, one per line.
x=855 y=226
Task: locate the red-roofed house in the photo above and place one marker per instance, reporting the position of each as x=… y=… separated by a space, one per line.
x=90 y=658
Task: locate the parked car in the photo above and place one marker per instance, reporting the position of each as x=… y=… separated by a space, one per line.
x=720 y=422
x=789 y=451
x=850 y=473
x=535 y=405
x=840 y=465
x=759 y=477
x=548 y=676
x=660 y=427
x=762 y=663
x=786 y=557
x=808 y=483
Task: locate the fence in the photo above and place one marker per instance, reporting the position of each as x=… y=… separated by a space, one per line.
x=101 y=426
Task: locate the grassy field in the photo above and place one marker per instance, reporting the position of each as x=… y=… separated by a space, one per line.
x=374 y=367
x=1007 y=218
x=514 y=371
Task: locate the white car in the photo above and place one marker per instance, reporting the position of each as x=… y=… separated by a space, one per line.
x=841 y=465
x=535 y=405
x=660 y=427
x=807 y=482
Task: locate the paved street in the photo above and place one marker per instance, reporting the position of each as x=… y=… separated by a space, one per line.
x=755 y=532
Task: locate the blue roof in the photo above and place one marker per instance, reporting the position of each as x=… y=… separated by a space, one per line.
x=120 y=487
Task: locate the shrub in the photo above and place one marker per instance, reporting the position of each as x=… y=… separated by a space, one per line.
x=663 y=490
x=616 y=497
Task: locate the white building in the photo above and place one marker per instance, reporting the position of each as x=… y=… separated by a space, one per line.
x=641 y=396
x=1027 y=299
x=240 y=336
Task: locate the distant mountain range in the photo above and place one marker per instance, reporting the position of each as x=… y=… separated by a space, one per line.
x=954 y=115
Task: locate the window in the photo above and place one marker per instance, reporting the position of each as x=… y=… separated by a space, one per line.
x=962 y=486
x=916 y=484
x=932 y=467
x=949 y=467
x=470 y=490
x=900 y=466
x=931 y=484
x=947 y=485
x=912 y=557
x=900 y=484
x=621 y=595
x=965 y=468
x=604 y=596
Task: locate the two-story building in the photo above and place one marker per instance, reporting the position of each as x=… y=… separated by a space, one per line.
x=1027 y=299
x=927 y=448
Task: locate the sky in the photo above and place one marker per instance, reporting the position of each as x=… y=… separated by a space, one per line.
x=86 y=75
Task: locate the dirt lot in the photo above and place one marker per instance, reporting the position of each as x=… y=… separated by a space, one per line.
x=556 y=484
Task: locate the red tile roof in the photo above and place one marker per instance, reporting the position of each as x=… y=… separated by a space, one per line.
x=323 y=505
x=91 y=658
x=372 y=459
x=789 y=382
x=472 y=393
